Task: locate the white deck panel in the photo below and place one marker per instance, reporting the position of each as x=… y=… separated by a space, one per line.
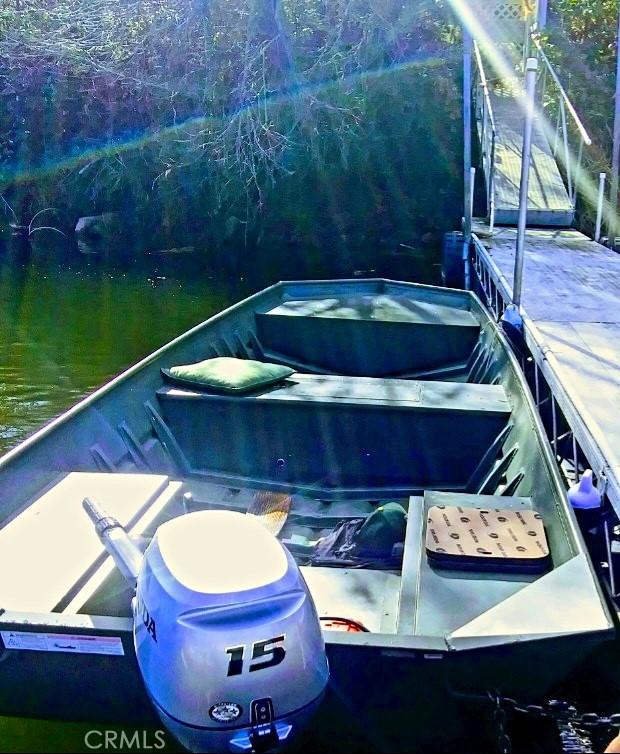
x=48 y=548
x=571 y=307
x=135 y=531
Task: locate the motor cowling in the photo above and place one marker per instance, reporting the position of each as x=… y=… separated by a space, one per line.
x=227 y=636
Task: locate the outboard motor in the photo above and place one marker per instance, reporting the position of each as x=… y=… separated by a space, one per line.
x=226 y=634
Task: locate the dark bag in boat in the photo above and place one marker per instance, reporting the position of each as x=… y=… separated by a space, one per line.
x=339 y=548
x=384 y=528
x=338 y=545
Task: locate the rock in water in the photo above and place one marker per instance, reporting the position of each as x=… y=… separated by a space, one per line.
x=98 y=234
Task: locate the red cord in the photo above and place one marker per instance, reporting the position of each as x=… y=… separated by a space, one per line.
x=343 y=624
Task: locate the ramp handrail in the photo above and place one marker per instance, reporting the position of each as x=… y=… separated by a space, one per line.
x=488 y=133
x=564 y=105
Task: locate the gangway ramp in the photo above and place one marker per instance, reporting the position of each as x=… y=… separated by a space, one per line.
x=548 y=200
x=500 y=114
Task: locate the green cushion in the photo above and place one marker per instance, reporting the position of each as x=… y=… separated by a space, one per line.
x=227 y=375
x=382 y=530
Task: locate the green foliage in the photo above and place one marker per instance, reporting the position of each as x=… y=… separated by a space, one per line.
x=582 y=45
x=591 y=24
x=205 y=114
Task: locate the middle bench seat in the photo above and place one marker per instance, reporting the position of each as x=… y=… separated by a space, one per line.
x=345 y=432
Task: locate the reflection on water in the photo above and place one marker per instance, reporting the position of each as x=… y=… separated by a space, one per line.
x=69 y=323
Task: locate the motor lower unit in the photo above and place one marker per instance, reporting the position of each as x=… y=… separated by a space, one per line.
x=226 y=633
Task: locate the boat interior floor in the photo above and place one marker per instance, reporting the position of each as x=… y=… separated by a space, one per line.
x=393 y=400
x=77 y=576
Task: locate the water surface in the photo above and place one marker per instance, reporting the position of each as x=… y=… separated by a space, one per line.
x=68 y=323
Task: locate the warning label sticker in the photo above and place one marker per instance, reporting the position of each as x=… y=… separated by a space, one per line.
x=75 y=643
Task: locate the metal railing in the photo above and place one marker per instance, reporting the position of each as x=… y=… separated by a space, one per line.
x=566 y=130
x=487 y=131
x=573 y=452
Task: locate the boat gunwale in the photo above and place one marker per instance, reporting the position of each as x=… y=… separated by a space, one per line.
x=539 y=431
x=573 y=532
x=86 y=623
x=547 y=363
x=565 y=513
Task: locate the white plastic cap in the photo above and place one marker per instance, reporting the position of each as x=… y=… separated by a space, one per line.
x=220 y=552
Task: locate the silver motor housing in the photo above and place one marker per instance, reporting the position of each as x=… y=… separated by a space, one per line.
x=226 y=634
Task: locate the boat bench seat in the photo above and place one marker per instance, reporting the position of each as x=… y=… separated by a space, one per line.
x=376 y=336
x=340 y=431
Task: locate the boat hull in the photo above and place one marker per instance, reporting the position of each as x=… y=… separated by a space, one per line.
x=375 y=692
x=434 y=419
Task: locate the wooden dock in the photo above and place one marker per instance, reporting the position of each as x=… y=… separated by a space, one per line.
x=571 y=313
x=548 y=200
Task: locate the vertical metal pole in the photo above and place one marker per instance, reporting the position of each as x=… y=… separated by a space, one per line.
x=492 y=185
x=530 y=91
x=528 y=23
x=599 y=206
x=541 y=20
x=467 y=50
x=610 y=563
x=575 y=461
x=557 y=132
x=526 y=43
x=554 y=425
x=577 y=175
x=569 y=178
x=615 y=155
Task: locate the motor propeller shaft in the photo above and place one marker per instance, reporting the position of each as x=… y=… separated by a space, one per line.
x=116 y=541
